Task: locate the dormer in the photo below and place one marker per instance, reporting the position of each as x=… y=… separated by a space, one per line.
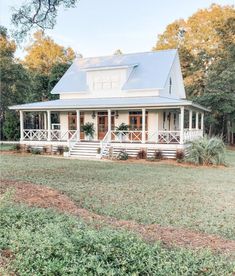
x=108 y=78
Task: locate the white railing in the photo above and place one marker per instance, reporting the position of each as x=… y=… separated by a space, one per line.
x=126 y=136
x=192 y=134
x=35 y=134
x=42 y=135
x=73 y=139
x=104 y=144
x=167 y=137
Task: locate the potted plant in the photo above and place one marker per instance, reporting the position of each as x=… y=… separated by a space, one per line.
x=66 y=151
x=89 y=130
x=122 y=131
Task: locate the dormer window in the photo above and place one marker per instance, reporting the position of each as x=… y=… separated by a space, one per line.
x=170 y=86
x=104 y=83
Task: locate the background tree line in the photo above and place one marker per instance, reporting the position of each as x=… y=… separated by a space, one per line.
x=206 y=44
x=30 y=79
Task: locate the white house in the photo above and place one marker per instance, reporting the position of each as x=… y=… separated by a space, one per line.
x=143 y=90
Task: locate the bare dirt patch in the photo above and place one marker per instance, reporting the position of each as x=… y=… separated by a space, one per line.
x=45 y=197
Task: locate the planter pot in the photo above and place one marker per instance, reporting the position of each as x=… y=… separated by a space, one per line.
x=88 y=137
x=98 y=156
x=121 y=137
x=66 y=154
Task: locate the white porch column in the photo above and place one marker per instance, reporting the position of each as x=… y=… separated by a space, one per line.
x=109 y=123
x=78 y=125
x=49 y=125
x=197 y=116
x=182 y=125
x=21 y=125
x=143 y=124
x=45 y=120
x=202 y=122
x=190 y=119
x=157 y=126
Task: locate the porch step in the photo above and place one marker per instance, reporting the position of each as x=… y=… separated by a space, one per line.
x=85 y=149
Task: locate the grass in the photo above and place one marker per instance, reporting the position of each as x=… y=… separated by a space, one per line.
x=43 y=242
x=197 y=198
x=6 y=147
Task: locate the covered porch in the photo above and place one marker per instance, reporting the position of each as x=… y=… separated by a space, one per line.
x=146 y=125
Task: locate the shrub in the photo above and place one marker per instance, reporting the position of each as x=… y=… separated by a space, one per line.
x=180 y=155
x=17 y=147
x=122 y=155
x=28 y=149
x=158 y=154
x=99 y=150
x=142 y=154
x=44 y=149
x=206 y=151
x=60 y=150
x=35 y=151
x=66 y=149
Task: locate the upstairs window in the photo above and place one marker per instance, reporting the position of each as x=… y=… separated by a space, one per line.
x=105 y=83
x=170 y=86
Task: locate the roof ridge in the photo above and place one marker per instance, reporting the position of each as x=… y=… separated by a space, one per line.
x=128 y=54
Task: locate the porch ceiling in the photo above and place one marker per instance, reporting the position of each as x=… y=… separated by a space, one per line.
x=104 y=103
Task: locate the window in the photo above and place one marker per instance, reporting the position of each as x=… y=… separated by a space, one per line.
x=105 y=82
x=170 y=86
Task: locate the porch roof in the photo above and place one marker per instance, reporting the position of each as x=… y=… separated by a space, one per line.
x=114 y=102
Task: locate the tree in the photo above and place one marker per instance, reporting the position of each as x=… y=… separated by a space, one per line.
x=46 y=62
x=118 y=52
x=15 y=84
x=37 y=14
x=44 y=53
x=198 y=42
x=219 y=94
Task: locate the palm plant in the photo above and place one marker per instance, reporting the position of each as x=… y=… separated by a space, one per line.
x=89 y=129
x=206 y=151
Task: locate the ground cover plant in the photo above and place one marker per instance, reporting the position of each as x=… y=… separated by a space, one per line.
x=35 y=241
x=186 y=197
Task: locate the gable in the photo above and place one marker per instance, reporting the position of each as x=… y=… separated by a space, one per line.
x=140 y=71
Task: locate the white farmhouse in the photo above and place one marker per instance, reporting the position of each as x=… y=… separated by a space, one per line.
x=143 y=90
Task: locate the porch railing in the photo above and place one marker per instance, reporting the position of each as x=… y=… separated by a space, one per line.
x=130 y=136
x=192 y=134
x=43 y=134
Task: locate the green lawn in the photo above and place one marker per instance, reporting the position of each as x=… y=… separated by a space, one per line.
x=196 y=198
x=4 y=147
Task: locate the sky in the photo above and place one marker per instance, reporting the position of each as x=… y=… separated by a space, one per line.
x=99 y=27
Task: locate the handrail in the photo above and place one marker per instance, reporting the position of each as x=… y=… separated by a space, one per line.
x=105 y=142
x=72 y=140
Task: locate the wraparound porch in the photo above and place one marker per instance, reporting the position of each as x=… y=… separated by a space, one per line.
x=161 y=126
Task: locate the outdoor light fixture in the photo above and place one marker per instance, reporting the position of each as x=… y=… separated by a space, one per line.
x=117 y=114
x=93 y=115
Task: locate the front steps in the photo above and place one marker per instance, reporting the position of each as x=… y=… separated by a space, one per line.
x=85 y=149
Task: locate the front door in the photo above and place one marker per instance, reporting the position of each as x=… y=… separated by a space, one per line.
x=103 y=124
x=135 y=119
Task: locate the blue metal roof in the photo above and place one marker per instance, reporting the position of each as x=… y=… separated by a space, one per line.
x=93 y=103
x=150 y=71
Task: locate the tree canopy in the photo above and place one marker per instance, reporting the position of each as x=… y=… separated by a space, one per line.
x=44 y=53
x=37 y=14
x=199 y=43
x=29 y=80
x=206 y=44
